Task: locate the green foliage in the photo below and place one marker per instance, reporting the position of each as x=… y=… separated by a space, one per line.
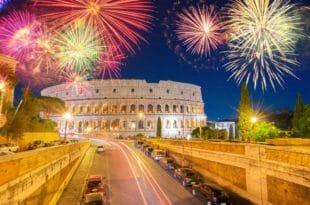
x=298 y=112
x=158 y=129
x=264 y=130
x=304 y=123
x=208 y=133
x=245 y=112
x=281 y=118
x=27 y=117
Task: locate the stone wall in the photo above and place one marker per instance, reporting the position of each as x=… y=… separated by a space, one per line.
x=260 y=173
x=34 y=177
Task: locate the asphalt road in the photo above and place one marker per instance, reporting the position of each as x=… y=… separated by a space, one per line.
x=134 y=179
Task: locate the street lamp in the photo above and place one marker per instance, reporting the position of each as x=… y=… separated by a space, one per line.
x=253 y=119
x=67 y=116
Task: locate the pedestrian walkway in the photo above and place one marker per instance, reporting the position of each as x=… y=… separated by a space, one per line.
x=74 y=191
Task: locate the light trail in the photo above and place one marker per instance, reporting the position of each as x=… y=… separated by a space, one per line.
x=147 y=171
x=133 y=173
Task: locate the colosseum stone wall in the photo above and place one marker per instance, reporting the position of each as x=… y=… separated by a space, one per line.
x=130 y=107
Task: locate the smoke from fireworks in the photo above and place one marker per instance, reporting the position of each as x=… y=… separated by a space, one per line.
x=19 y=31
x=263 y=37
x=78 y=47
x=119 y=22
x=200 y=30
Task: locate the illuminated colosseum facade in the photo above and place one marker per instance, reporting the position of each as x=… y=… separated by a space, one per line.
x=130 y=107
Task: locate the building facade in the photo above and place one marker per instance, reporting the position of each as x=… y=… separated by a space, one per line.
x=229 y=126
x=130 y=107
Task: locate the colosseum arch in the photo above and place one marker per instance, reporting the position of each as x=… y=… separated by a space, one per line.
x=123 y=108
x=104 y=108
x=132 y=108
x=159 y=110
x=150 y=108
x=167 y=108
x=141 y=108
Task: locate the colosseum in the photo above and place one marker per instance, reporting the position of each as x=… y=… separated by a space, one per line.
x=129 y=107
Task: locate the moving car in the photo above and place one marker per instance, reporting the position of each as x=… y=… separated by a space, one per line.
x=187 y=176
x=138 y=144
x=100 y=148
x=36 y=144
x=143 y=147
x=94 y=184
x=157 y=154
x=95 y=199
x=167 y=163
x=211 y=193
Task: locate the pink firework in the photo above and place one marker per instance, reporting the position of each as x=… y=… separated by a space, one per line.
x=200 y=30
x=19 y=31
x=118 y=21
x=110 y=63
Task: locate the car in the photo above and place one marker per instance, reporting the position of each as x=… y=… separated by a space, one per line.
x=2 y=153
x=36 y=144
x=138 y=144
x=94 y=183
x=148 y=151
x=100 y=148
x=187 y=176
x=144 y=147
x=96 y=198
x=157 y=154
x=211 y=193
x=167 y=163
x=9 y=147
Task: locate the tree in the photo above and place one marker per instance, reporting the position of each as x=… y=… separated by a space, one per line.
x=245 y=112
x=304 y=123
x=206 y=133
x=231 y=132
x=158 y=130
x=264 y=130
x=298 y=112
x=27 y=117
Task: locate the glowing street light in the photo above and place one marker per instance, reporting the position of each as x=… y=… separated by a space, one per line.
x=67 y=116
x=253 y=119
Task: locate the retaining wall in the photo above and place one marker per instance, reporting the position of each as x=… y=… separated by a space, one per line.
x=263 y=174
x=38 y=176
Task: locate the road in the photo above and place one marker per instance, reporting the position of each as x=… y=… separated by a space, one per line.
x=133 y=179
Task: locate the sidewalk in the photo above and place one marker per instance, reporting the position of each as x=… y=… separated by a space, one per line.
x=74 y=191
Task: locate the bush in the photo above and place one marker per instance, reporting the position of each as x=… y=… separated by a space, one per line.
x=264 y=130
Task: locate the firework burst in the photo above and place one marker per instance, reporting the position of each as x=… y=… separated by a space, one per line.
x=200 y=30
x=110 y=63
x=263 y=38
x=78 y=47
x=19 y=31
x=118 y=21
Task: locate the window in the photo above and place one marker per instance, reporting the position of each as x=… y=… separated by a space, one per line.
x=150 y=108
x=159 y=108
x=123 y=108
x=167 y=124
x=114 y=90
x=182 y=109
x=193 y=93
x=141 y=108
x=168 y=91
x=113 y=108
x=97 y=90
x=174 y=108
x=133 y=108
x=175 y=124
x=104 y=108
x=87 y=109
x=96 y=109
x=151 y=90
x=140 y=124
x=167 y=108
x=182 y=92
x=132 y=90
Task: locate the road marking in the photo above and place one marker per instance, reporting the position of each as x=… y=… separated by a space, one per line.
x=134 y=174
x=144 y=167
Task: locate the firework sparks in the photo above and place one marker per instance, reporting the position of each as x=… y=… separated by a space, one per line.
x=78 y=47
x=118 y=21
x=76 y=80
x=18 y=33
x=110 y=63
x=200 y=30
x=263 y=38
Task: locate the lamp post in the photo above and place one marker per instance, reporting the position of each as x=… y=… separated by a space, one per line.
x=67 y=117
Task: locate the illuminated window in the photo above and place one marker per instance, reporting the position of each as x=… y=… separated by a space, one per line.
x=159 y=108
x=167 y=108
x=104 y=108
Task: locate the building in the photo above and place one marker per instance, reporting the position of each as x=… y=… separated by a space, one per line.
x=130 y=107
x=228 y=125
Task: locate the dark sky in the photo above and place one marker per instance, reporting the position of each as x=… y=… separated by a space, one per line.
x=154 y=61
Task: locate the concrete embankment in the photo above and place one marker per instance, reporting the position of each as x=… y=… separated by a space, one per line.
x=39 y=177
x=263 y=174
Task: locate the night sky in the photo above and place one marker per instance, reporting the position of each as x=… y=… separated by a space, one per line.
x=154 y=61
